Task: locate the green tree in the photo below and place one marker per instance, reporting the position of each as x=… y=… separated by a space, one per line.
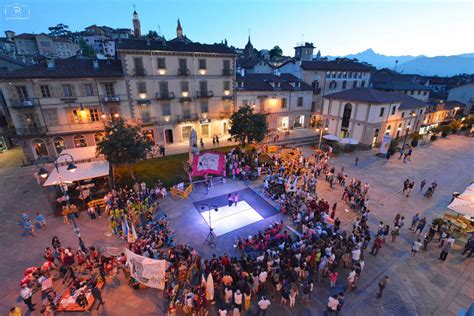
x=86 y=49
x=276 y=52
x=60 y=30
x=124 y=145
x=248 y=126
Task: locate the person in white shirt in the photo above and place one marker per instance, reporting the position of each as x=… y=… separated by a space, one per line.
x=415 y=247
x=332 y=304
x=263 y=305
x=238 y=300
x=351 y=279
x=26 y=293
x=355 y=255
x=228 y=295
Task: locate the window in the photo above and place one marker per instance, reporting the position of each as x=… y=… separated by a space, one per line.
x=22 y=93
x=94 y=115
x=79 y=141
x=204 y=107
x=346 y=117
x=138 y=62
x=183 y=63
x=203 y=87
x=382 y=110
x=226 y=85
x=164 y=88
x=141 y=87
x=344 y=84
x=39 y=147
x=421 y=111
x=425 y=92
x=354 y=84
x=186 y=131
x=184 y=86
x=161 y=62
x=202 y=64
x=349 y=75
x=393 y=110
x=186 y=110
x=362 y=84
x=284 y=103
x=98 y=137
x=333 y=85
x=226 y=64
x=299 y=102
x=109 y=89
x=315 y=84
x=67 y=90
x=45 y=92
x=59 y=144
x=166 y=109
x=51 y=117
x=88 y=89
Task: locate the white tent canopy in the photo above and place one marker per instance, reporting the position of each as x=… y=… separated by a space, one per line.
x=88 y=170
x=331 y=137
x=349 y=141
x=79 y=154
x=464 y=203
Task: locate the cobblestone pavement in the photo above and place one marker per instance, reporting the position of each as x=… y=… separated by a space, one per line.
x=420 y=286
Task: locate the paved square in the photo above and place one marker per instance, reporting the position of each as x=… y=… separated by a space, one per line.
x=230 y=218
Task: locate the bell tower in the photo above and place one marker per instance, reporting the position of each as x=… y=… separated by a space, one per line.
x=179 y=30
x=136 y=24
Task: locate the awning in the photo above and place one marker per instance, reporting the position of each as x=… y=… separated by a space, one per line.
x=349 y=141
x=88 y=170
x=331 y=137
x=79 y=154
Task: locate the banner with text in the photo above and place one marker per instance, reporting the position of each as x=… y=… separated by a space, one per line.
x=147 y=271
x=210 y=162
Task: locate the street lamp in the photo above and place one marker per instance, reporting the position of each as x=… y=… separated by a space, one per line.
x=71 y=167
x=321 y=132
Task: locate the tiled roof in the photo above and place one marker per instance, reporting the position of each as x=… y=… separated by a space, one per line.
x=68 y=68
x=248 y=62
x=370 y=95
x=336 y=65
x=449 y=105
x=26 y=36
x=261 y=82
x=13 y=61
x=386 y=79
x=140 y=44
x=62 y=39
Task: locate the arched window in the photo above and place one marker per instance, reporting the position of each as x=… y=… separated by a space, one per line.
x=59 y=144
x=315 y=84
x=98 y=137
x=346 y=117
x=333 y=84
x=388 y=129
x=39 y=147
x=79 y=141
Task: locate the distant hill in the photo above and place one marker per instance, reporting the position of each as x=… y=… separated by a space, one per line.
x=438 y=65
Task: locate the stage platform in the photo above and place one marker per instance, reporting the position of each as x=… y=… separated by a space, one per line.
x=250 y=209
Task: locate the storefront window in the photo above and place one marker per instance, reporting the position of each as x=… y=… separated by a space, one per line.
x=39 y=147
x=79 y=141
x=59 y=144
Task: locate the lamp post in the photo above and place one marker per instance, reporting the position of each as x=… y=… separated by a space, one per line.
x=71 y=167
x=321 y=132
x=211 y=238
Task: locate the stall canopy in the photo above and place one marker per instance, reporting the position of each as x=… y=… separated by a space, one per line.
x=80 y=154
x=88 y=170
x=464 y=203
x=349 y=141
x=331 y=137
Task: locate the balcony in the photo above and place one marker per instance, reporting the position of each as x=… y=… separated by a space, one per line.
x=24 y=103
x=183 y=72
x=316 y=91
x=87 y=126
x=187 y=117
x=165 y=96
x=110 y=98
x=227 y=72
x=139 y=72
x=32 y=130
x=204 y=94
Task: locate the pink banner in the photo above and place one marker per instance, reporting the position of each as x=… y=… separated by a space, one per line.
x=209 y=162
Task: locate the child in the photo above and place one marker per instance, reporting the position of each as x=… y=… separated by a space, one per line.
x=40 y=220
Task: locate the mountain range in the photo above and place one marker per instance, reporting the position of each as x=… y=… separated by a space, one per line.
x=430 y=66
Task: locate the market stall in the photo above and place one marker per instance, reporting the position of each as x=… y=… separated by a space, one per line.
x=462 y=221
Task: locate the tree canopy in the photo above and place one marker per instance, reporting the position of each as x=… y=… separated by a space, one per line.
x=248 y=126
x=86 y=49
x=152 y=35
x=276 y=51
x=60 y=30
x=124 y=144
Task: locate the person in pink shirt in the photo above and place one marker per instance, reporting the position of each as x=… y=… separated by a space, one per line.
x=236 y=199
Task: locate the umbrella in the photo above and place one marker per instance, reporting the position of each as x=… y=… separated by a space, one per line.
x=331 y=137
x=349 y=141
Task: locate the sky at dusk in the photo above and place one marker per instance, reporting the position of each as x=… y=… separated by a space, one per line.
x=404 y=27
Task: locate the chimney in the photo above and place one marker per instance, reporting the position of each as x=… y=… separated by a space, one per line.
x=95 y=64
x=50 y=63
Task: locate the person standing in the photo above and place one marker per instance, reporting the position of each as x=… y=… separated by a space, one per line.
x=351 y=280
x=421 y=225
x=263 y=305
x=357 y=160
x=230 y=200
x=378 y=242
x=40 y=220
x=447 y=246
x=217 y=139
x=236 y=199
x=410 y=187
x=333 y=278
x=395 y=232
x=414 y=221
x=382 y=284
x=294 y=292
x=29 y=228
x=238 y=299
x=416 y=246
x=26 y=294
x=97 y=294
x=422 y=184
x=469 y=246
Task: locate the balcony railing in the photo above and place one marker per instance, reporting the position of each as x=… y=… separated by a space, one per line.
x=87 y=126
x=183 y=72
x=139 y=72
x=165 y=96
x=110 y=98
x=187 y=117
x=24 y=103
x=317 y=91
x=227 y=72
x=204 y=94
x=32 y=130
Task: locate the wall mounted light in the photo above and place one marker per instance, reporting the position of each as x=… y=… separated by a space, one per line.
x=202 y=71
x=226 y=92
x=184 y=94
x=142 y=95
x=162 y=71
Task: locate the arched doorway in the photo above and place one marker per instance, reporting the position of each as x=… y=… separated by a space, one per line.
x=376 y=135
x=399 y=129
x=169 y=136
x=59 y=144
x=39 y=147
x=346 y=118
